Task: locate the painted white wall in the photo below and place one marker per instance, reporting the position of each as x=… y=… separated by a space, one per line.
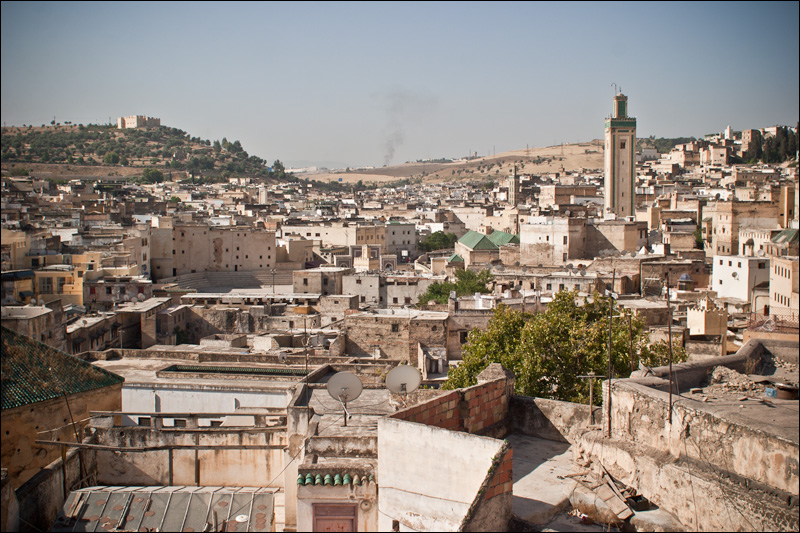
x=735 y=276
x=429 y=476
x=177 y=398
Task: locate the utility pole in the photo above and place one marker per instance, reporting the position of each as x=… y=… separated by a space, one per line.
x=669 y=338
x=610 y=363
x=591 y=376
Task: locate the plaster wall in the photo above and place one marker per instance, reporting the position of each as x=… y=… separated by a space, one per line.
x=364 y=495
x=425 y=486
x=217 y=467
x=21 y=456
x=175 y=398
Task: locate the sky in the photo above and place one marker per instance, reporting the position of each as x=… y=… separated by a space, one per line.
x=372 y=83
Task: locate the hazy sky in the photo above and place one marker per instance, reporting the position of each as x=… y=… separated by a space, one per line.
x=341 y=84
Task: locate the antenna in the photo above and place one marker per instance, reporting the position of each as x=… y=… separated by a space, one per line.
x=403 y=379
x=615 y=88
x=344 y=386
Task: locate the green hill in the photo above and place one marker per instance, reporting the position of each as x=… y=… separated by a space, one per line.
x=133 y=150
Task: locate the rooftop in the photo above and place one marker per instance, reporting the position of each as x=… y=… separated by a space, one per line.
x=34 y=372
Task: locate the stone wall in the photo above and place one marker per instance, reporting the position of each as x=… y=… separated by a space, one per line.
x=550 y=419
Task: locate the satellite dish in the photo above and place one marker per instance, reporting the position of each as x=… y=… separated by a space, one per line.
x=760 y=253
x=342 y=387
x=281 y=357
x=141 y=297
x=403 y=379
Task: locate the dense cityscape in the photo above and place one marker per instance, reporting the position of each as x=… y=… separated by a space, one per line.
x=232 y=340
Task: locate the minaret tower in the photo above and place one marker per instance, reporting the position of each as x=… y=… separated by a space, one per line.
x=620 y=163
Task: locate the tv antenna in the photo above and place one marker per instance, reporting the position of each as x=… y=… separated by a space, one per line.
x=344 y=387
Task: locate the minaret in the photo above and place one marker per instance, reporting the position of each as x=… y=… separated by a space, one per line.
x=620 y=163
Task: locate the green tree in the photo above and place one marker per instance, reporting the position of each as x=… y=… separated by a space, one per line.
x=548 y=351
x=174 y=200
x=111 y=158
x=467 y=282
x=438 y=241
x=151 y=175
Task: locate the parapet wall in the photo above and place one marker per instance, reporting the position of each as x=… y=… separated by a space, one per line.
x=722 y=440
x=481 y=409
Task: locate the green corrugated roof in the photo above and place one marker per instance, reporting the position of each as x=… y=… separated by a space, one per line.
x=500 y=238
x=477 y=241
x=34 y=372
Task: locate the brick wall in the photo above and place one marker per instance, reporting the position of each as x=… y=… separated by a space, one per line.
x=472 y=409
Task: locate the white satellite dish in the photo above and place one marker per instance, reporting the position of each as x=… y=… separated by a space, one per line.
x=281 y=357
x=141 y=297
x=403 y=379
x=344 y=387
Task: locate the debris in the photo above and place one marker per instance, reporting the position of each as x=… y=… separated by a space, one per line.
x=696 y=390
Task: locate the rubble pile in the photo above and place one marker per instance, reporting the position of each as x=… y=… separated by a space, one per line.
x=724 y=379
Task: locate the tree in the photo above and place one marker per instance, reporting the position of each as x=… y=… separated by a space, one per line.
x=438 y=241
x=548 y=351
x=467 y=282
x=151 y=175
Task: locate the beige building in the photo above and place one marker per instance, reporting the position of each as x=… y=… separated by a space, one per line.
x=323 y=280
x=44 y=389
x=138 y=121
x=728 y=217
x=620 y=162
x=191 y=248
x=783 y=285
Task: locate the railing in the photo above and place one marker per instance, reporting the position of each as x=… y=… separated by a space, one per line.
x=777 y=321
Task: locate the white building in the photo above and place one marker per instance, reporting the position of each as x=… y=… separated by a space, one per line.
x=735 y=276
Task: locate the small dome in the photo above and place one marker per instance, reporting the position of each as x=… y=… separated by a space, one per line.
x=685 y=277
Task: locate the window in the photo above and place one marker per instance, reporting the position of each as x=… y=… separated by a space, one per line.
x=549 y=286
x=144 y=421
x=395 y=328
x=305 y=282
x=565 y=239
x=180 y=423
x=394 y=301
x=91 y=290
x=622 y=145
x=108 y=290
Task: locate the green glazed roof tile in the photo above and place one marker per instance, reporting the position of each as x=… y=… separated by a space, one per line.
x=34 y=372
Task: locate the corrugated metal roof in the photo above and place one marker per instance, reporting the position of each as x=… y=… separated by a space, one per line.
x=34 y=372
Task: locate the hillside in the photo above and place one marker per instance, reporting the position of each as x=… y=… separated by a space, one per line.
x=66 y=150
x=567 y=157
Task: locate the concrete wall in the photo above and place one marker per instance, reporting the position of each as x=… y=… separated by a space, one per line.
x=41 y=497
x=429 y=477
x=218 y=466
x=21 y=456
x=550 y=419
x=177 y=398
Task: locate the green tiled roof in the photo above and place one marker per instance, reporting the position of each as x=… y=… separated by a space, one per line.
x=455 y=258
x=787 y=235
x=477 y=241
x=337 y=479
x=34 y=372
x=500 y=238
